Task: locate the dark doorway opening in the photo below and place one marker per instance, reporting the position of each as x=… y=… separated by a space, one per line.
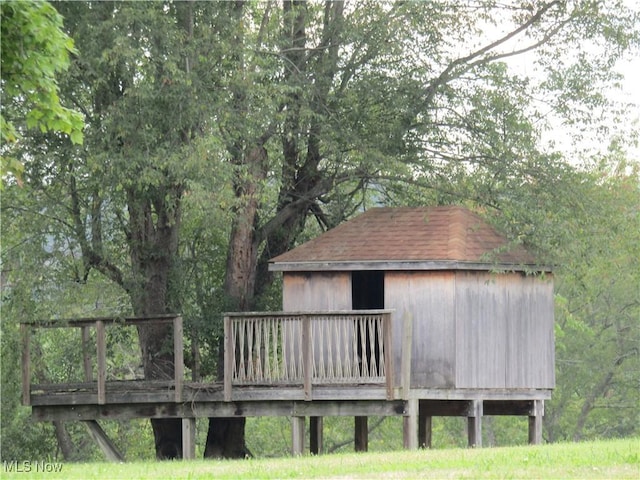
x=367 y=290
x=367 y=293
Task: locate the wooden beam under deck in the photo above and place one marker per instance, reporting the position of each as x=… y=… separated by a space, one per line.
x=298 y=408
x=129 y=400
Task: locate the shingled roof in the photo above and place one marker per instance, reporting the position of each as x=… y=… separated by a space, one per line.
x=407 y=238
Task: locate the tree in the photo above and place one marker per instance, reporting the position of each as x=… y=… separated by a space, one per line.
x=598 y=309
x=310 y=111
x=435 y=119
x=34 y=50
x=125 y=187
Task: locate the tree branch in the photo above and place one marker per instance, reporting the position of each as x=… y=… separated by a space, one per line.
x=468 y=61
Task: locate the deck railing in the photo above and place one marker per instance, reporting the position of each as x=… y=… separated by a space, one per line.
x=307 y=348
x=99 y=324
x=261 y=349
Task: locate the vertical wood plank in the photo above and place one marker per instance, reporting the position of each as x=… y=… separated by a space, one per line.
x=410 y=425
x=361 y=434
x=316 y=435
x=25 y=334
x=101 y=351
x=188 y=438
x=307 y=355
x=178 y=357
x=229 y=359
x=297 y=436
x=86 y=358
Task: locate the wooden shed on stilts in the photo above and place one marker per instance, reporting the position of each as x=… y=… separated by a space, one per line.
x=411 y=312
x=473 y=316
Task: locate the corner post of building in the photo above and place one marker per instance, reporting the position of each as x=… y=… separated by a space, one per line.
x=229 y=358
x=425 y=426
x=297 y=435
x=189 y=438
x=407 y=341
x=361 y=434
x=101 y=352
x=178 y=357
x=316 y=435
x=535 y=422
x=474 y=423
x=25 y=333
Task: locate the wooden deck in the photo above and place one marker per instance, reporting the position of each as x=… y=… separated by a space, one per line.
x=272 y=368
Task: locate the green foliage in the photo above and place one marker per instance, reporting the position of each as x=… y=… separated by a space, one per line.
x=598 y=311
x=35 y=50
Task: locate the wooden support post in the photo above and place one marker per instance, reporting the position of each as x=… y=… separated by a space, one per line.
x=86 y=358
x=297 y=436
x=25 y=333
x=535 y=422
x=407 y=340
x=101 y=351
x=361 y=434
x=178 y=358
x=387 y=347
x=474 y=423
x=104 y=442
x=307 y=357
x=424 y=427
x=188 y=438
x=229 y=358
x=316 y=435
x=410 y=425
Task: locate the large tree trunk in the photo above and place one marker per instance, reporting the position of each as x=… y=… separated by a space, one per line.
x=153 y=246
x=225 y=438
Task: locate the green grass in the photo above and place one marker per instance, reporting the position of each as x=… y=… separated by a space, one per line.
x=588 y=460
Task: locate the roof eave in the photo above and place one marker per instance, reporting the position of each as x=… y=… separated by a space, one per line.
x=314 y=266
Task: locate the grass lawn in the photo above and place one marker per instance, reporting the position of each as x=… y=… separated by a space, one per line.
x=588 y=460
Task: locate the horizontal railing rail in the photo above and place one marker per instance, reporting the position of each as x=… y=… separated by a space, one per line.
x=306 y=348
x=99 y=324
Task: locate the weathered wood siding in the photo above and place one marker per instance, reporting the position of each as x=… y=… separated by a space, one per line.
x=530 y=336
x=471 y=329
x=428 y=297
x=316 y=291
x=504 y=331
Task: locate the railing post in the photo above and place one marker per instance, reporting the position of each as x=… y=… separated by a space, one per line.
x=229 y=358
x=86 y=360
x=178 y=357
x=307 y=355
x=25 y=333
x=101 y=350
x=407 y=341
x=388 y=354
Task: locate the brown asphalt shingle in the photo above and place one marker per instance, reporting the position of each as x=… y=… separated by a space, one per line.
x=408 y=234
